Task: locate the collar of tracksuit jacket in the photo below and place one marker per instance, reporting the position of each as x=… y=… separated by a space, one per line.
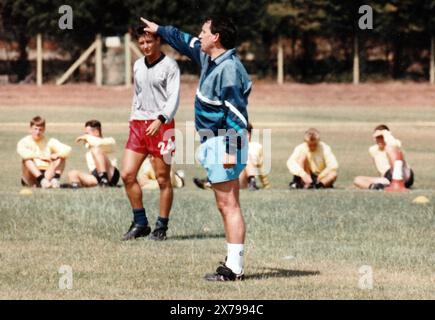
x=213 y=63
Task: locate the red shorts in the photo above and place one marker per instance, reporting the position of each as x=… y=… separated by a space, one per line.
x=160 y=145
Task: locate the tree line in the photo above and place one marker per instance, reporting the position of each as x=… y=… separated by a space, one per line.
x=318 y=37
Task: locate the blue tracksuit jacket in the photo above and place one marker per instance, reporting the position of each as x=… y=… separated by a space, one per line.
x=222 y=96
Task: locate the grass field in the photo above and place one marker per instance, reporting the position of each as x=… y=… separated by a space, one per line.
x=300 y=245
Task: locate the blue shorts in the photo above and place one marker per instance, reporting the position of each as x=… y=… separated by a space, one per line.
x=211 y=154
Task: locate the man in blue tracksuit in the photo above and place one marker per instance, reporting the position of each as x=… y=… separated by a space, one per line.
x=221 y=119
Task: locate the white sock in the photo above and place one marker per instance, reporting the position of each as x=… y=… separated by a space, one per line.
x=398 y=170
x=235 y=257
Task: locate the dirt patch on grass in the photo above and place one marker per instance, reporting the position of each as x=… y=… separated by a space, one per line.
x=264 y=94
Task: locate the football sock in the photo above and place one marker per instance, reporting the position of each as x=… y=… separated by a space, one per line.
x=252 y=182
x=162 y=222
x=235 y=257
x=320 y=185
x=398 y=170
x=39 y=179
x=376 y=186
x=103 y=177
x=139 y=217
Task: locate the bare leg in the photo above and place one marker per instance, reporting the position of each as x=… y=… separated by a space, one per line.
x=56 y=167
x=365 y=182
x=227 y=200
x=30 y=172
x=303 y=163
x=102 y=162
x=329 y=179
x=83 y=179
x=163 y=175
x=131 y=163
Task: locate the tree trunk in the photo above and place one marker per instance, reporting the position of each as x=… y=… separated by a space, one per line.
x=280 y=64
x=356 y=69
x=432 y=60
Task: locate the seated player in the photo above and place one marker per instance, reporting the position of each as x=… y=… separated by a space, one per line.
x=147 y=176
x=312 y=163
x=43 y=159
x=102 y=170
x=387 y=153
x=254 y=168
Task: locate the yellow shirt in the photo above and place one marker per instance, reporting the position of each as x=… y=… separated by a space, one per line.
x=107 y=145
x=321 y=162
x=28 y=148
x=255 y=156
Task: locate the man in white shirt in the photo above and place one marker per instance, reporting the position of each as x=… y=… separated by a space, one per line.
x=388 y=157
x=102 y=169
x=155 y=102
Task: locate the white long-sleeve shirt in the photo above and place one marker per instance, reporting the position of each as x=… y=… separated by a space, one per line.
x=107 y=145
x=156 y=89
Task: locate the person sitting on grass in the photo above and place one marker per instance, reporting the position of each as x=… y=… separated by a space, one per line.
x=148 y=180
x=312 y=163
x=43 y=159
x=102 y=170
x=388 y=157
x=254 y=168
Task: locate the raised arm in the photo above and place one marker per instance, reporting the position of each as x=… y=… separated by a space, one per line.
x=183 y=42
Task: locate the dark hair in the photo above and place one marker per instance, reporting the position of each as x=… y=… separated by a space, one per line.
x=382 y=127
x=249 y=127
x=139 y=32
x=37 y=121
x=94 y=124
x=226 y=29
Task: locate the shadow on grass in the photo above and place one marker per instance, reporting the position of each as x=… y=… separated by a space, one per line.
x=198 y=236
x=280 y=273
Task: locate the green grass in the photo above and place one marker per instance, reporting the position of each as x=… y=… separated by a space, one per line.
x=300 y=245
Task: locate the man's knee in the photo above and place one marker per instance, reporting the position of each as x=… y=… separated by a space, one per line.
x=394 y=153
x=58 y=162
x=333 y=176
x=357 y=180
x=164 y=181
x=27 y=164
x=128 y=177
x=227 y=206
